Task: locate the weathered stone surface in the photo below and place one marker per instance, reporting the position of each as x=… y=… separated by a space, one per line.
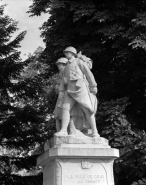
x=77 y=152
x=97 y=142
x=86 y=172
x=78 y=171
x=71 y=161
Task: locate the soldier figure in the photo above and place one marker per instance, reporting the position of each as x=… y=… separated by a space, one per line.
x=61 y=63
x=77 y=90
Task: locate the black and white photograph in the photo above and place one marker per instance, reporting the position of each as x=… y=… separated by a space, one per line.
x=72 y=92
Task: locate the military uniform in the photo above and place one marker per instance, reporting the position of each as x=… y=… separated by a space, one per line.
x=57 y=111
x=75 y=85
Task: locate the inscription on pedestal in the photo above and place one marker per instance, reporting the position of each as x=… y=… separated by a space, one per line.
x=85 y=173
x=86 y=179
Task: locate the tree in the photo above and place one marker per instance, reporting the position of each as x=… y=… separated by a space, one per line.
x=114 y=36
x=21 y=124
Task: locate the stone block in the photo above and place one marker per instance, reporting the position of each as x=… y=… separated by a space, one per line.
x=70 y=141
x=66 y=162
x=78 y=171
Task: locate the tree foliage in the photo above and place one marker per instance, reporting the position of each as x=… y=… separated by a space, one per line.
x=21 y=123
x=113 y=34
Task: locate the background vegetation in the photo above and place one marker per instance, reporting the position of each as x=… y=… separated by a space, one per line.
x=113 y=34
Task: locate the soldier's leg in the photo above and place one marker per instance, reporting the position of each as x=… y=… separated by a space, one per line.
x=68 y=103
x=91 y=119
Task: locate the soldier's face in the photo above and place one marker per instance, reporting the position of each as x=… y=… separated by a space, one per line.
x=60 y=66
x=68 y=55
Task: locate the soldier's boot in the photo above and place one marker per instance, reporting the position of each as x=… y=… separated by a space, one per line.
x=92 y=123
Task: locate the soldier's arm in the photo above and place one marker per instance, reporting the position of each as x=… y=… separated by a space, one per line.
x=85 y=69
x=61 y=89
x=61 y=86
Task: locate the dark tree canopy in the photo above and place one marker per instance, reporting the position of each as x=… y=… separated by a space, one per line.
x=113 y=34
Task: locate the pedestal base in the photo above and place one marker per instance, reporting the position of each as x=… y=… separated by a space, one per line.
x=77 y=164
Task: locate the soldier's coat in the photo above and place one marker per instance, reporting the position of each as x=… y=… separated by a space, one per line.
x=76 y=85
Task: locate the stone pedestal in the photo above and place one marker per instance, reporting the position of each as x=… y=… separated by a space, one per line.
x=72 y=161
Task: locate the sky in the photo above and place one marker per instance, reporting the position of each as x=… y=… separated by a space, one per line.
x=17 y=9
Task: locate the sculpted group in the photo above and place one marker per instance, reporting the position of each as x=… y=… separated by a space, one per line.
x=77 y=103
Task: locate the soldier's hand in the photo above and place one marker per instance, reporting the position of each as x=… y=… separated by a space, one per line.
x=93 y=90
x=61 y=95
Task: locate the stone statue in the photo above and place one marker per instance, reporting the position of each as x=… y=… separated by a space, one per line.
x=85 y=59
x=76 y=111
x=70 y=157
x=79 y=121
x=76 y=89
x=58 y=108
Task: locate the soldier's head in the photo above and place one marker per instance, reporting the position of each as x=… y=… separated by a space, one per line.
x=70 y=52
x=61 y=63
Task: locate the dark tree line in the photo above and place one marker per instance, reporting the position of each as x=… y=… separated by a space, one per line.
x=113 y=34
x=21 y=121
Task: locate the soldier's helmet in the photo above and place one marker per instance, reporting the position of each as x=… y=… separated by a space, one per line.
x=62 y=60
x=71 y=49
